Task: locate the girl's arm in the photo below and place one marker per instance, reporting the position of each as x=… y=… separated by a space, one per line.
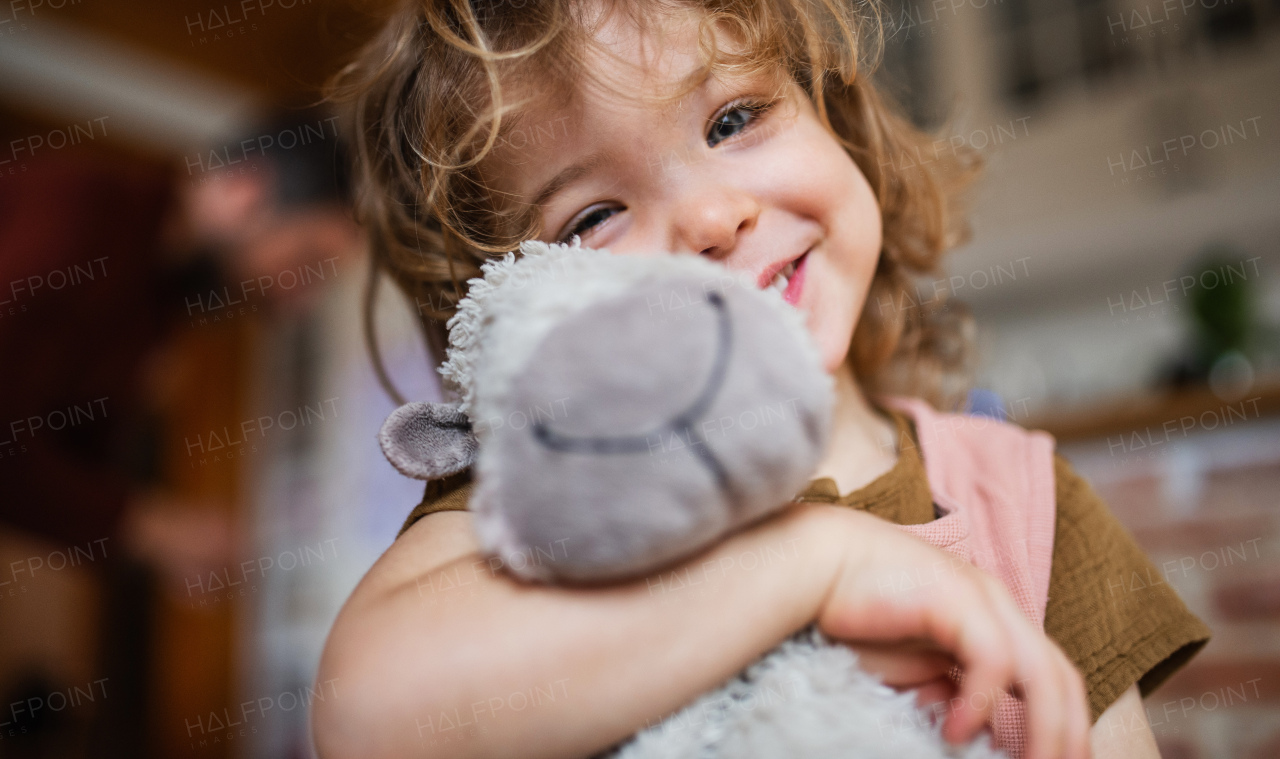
x=439 y=653
x=1123 y=732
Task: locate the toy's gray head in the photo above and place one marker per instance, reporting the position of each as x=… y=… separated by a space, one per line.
x=620 y=412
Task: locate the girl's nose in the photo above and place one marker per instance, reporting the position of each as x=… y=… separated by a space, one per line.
x=710 y=220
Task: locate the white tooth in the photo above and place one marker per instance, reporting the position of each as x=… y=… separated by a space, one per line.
x=783 y=276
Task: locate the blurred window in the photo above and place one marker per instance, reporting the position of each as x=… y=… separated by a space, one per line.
x=1051 y=44
x=911 y=28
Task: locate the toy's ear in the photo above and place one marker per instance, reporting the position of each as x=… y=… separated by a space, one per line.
x=427 y=441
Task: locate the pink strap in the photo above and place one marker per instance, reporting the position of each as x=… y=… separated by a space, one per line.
x=994 y=481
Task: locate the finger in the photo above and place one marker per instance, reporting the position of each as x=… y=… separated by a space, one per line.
x=935 y=694
x=954 y=612
x=984 y=649
x=1044 y=678
x=1038 y=675
x=1047 y=704
x=955 y=615
x=1078 y=746
x=903 y=667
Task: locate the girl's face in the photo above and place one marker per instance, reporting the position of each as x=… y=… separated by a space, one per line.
x=740 y=170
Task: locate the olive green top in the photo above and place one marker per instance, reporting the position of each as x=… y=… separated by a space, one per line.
x=1116 y=630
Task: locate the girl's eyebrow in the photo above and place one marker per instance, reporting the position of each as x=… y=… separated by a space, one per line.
x=566 y=176
x=592 y=162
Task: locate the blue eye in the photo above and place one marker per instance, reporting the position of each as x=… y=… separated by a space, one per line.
x=732 y=119
x=594 y=217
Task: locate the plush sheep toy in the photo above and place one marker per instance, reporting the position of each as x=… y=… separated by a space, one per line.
x=624 y=412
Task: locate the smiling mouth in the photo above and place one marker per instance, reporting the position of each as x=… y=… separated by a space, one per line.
x=790 y=279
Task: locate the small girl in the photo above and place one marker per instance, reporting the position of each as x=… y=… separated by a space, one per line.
x=747 y=132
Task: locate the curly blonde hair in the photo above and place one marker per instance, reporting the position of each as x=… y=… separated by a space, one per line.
x=430 y=96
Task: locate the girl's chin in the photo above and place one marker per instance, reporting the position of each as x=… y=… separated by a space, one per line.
x=831 y=330
x=832 y=360
x=833 y=347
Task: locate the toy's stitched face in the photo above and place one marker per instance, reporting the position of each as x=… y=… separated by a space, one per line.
x=651 y=431
x=683 y=424
x=741 y=169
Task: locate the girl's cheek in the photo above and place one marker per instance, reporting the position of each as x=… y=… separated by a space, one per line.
x=827 y=180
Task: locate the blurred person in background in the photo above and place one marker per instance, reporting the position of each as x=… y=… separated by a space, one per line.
x=102 y=259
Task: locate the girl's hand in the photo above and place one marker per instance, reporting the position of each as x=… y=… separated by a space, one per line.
x=895 y=589
x=910 y=666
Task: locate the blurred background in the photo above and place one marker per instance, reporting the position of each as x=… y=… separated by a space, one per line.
x=189 y=483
